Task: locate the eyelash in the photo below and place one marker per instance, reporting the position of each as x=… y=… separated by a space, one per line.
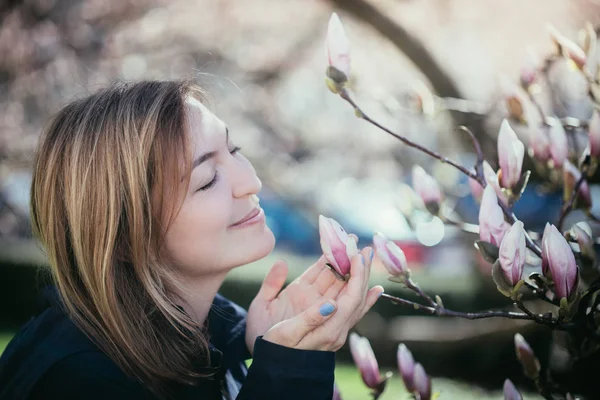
x=216 y=178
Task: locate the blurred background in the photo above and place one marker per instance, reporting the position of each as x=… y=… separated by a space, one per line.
x=419 y=67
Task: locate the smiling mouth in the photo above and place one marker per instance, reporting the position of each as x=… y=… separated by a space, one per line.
x=251 y=215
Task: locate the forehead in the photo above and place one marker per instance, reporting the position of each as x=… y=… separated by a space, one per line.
x=205 y=128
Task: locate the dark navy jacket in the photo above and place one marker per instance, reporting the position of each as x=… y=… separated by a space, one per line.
x=50 y=358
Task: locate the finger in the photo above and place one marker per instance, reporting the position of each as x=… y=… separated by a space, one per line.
x=325 y=280
x=290 y=332
x=335 y=289
x=274 y=281
x=369 y=261
x=353 y=236
x=312 y=272
x=372 y=296
x=356 y=283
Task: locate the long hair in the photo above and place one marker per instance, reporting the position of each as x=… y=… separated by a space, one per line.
x=105 y=175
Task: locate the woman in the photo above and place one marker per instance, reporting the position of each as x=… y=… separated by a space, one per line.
x=144 y=204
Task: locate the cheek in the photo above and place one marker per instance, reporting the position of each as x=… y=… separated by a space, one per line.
x=195 y=239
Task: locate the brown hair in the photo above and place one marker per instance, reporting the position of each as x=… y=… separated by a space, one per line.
x=104 y=170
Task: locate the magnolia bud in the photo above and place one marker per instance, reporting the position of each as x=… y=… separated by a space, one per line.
x=513 y=98
x=338 y=247
x=336 y=393
x=529 y=69
x=581 y=232
x=510 y=154
x=365 y=360
x=594 y=134
x=492 y=225
x=527 y=358
x=426 y=187
x=570 y=177
x=338 y=53
x=476 y=189
x=491 y=178
x=422 y=382
x=513 y=253
x=391 y=255
x=559 y=261
x=539 y=144
x=406 y=366
x=559 y=146
x=510 y=391
x=568 y=48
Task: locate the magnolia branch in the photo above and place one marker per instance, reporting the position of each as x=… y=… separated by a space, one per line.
x=568 y=206
x=344 y=94
x=476 y=173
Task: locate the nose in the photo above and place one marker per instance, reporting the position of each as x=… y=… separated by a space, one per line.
x=245 y=182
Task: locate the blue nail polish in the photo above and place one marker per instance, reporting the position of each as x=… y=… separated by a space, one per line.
x=326 y=309
x=380 y=293
x=372 y=254
x=363 y=259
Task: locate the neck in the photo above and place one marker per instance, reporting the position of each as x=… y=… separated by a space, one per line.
x=198 y=294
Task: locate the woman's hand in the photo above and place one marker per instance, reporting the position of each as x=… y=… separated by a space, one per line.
x=296 y=317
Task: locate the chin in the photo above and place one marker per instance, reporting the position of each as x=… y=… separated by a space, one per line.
x=258 y=246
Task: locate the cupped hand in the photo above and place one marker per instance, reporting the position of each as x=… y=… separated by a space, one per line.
x=296 y=316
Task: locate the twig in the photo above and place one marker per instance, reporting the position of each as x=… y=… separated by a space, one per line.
x=568 y=206
x=464 y=226
x=415 y=288
x=344 y=94
x=477 y=175
x=441 y=311
x=477 y=146
x=540 y=319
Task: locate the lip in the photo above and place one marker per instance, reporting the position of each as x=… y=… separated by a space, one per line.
x=254 y=216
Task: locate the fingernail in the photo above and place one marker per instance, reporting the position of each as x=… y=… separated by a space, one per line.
x=326 y=309
x=363 y=259
x=380 y=293
x=372 y=254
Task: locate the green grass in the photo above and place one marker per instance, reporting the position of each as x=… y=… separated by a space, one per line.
x=4 y=339
x=351 y=387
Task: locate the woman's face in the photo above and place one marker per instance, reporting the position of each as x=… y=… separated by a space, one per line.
x=204 y=238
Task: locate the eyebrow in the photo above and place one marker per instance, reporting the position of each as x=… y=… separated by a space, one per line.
x=210 y=154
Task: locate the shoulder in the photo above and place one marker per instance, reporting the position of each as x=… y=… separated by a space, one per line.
x=51 y=353
x=90 y=375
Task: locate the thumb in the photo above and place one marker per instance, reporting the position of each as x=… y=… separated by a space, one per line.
x=290 y=332
x=274 y=281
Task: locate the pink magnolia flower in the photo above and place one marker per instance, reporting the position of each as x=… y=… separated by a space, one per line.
x=336 y=393
x=581 y=232
x=391 y=255
x=492 y=226
x=406 y=366
x=539 y=143
x=338 y=247
x=491 y=178
x=422 y=382
x=510 y=391
x=568 y=48
x=338 y=47
x=529 y=69
x=559 y=146
x=365 y=360
x=425 y=186
x=594 y=134
x=512 y=253
x=526 y=356
x=571 y=175
x=546 y=234
x=476 y=189
x=510 y=155
x=559 y=261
